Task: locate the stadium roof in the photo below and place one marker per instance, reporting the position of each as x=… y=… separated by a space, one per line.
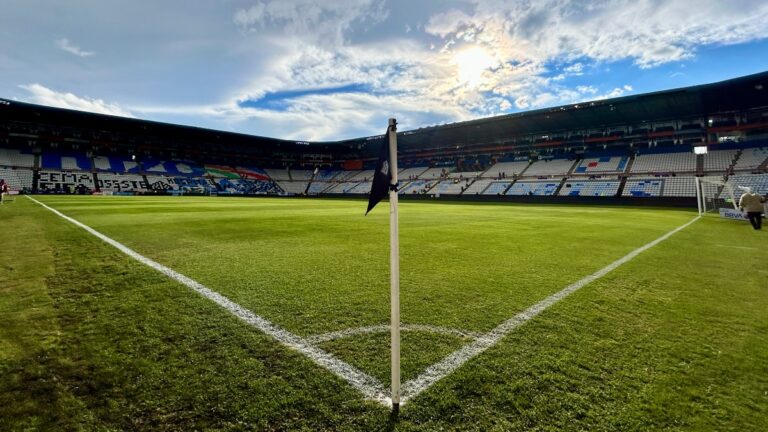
x=739 y=94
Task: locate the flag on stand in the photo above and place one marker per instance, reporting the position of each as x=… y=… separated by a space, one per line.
x=382 y=177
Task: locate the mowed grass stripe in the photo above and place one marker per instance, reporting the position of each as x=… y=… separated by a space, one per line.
x=677 y=339
x=317 y=266
x=366 y=384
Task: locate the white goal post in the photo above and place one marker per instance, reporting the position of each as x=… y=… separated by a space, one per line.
x=714 y=193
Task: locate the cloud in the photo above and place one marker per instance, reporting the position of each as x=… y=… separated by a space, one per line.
x=322 y=21
x=67 y=46
x=412 y=58
x=45 y=96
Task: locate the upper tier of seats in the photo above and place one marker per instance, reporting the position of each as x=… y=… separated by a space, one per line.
x=614 y=164
x=664 y=162
x=68 y=161
x=16 y=158
x=115 y=164
x=550 y=167
x=507 y=169
x=751 y=158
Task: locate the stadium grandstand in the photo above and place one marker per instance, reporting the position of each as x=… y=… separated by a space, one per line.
x=632 y=149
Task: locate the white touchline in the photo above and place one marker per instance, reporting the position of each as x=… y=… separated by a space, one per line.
x=369 y=386
x=449 y=364
x=366 y=384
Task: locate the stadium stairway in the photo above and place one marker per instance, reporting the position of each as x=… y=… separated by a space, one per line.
x=468 y=185
x=735 y=159
x=521 y=173
x=35 y=179
x=570 y=171
x=763 y=166
x=623 y=182
x=562 y=182
x=628 y=170
x=510 y=185
x=699 y=165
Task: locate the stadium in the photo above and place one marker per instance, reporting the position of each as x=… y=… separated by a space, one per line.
x=584 y=266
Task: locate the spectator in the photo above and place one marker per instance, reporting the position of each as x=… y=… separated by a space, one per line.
x=752 y=203
x=3 y=189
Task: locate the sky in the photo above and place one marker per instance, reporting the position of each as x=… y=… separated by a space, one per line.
x=330 y=70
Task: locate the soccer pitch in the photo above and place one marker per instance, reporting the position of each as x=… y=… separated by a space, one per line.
x=674 y=338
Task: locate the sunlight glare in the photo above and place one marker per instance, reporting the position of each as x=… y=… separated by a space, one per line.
x=471 y=64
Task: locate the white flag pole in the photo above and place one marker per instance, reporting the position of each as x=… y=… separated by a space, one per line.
x=394 y=267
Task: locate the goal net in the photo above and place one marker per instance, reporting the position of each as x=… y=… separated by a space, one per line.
x=714 y=193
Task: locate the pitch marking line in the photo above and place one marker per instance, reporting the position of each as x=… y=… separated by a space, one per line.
x=366 y=384
x=449 y=364
x=384 y=328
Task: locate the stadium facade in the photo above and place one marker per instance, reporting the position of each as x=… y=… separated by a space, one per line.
x=636 y=149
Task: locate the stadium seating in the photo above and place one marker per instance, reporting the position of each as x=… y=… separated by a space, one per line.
x=497 y=187
x=448 y=187
x=343 y=187
x=613 y=164
x=604 y=188
x=17 y=179
x=684 y=186
x=64 y=180
x=326 y=175
x=229 y=186
x=67 y=161
x=540 y=188
x=115 y=164
x=122 y=183
x=16 y=158
x=278 y=174
x=643 y=187
x=751 y=159
x=477 y=187
x=416 y=187
x=549 y=167
x=301 y=174
x=718 y=160
x=252 y=173
x=173 y=168
x=508 y=168
x=409 y=173
x=465 y=175
x=293 y=187
x=435 y=173
x=361 y=188
x=345 y=175
x=757 y=182
x=366 y=175
x=317 y=187
x=221 y=171
x=664 y=162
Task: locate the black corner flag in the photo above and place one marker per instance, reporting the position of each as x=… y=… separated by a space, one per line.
x=382 y=177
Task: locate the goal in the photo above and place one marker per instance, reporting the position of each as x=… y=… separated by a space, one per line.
x=714 y=193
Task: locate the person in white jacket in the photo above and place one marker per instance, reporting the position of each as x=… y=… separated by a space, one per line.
x=752 y=203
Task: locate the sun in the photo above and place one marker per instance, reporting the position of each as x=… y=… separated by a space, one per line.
x=471 y=63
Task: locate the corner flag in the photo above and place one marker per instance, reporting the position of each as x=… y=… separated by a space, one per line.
x=385 y=181
x=382 y=177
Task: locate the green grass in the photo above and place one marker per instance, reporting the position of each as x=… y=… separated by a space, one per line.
x=677 y=339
